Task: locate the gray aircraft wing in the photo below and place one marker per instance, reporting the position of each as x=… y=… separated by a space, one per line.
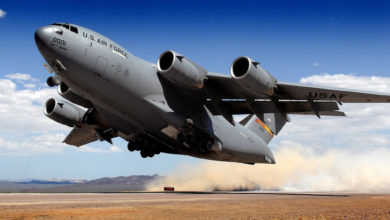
x=226 y=98
x=303 y=92
x=225 y=88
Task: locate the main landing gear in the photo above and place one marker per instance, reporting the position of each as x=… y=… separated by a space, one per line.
x=147 y=145
x=195 y=139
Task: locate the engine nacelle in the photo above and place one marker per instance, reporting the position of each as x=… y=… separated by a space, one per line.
x=63 y=112
x=180 y=70
x=252 y=77
x=72 y=96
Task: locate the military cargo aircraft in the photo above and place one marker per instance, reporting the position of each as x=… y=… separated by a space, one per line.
x=174 y=106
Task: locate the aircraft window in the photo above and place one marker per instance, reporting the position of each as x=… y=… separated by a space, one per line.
x=74 y=29
x=66 y=26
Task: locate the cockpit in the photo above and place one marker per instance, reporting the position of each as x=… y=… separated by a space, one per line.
x=67 y=26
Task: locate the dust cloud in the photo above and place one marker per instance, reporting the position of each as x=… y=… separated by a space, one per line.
x=297 y=168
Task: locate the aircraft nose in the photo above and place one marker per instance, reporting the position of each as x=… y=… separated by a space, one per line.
x=42 y=36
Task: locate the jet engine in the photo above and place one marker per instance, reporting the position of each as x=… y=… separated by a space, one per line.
x=180 y=70
x=72 y=96
x=251 y=77
x=63 y=112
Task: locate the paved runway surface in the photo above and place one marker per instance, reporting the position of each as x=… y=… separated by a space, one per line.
x=195 y=205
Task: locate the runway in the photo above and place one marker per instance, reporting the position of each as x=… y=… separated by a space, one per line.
x=195 y=205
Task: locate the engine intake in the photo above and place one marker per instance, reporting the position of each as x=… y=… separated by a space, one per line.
x=180 y=70
x=72 y=96
x=63 y=112
x=252 y=77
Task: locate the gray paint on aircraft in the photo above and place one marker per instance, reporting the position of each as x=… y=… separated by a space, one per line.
x=157 y=112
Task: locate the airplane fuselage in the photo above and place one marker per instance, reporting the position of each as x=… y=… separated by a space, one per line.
x=132 y=96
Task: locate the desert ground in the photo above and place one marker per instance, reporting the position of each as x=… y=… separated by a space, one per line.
x=194 y=206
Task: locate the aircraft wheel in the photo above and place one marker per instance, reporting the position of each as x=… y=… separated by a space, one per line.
x=144 y=154
x=203 y=148
x=131 y=146
x=137 y=144
x=53 y=81
x=145 y=143
x=209 y=145
x=180 y=138
x=50 y=82
x=188 y=139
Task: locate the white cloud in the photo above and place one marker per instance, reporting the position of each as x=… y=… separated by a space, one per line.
x=20 y=76
x=369 y=83
x=29 y=85
x=43 y=142
x=2 y=13
x=112 y=149
x=24 y=129
x=366 y=125
x=317 y=64
x=21 y=110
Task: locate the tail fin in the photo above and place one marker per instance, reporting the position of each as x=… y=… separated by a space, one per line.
x=267 y=127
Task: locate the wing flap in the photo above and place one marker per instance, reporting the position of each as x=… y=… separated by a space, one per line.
x=322 y=113
x=81 y=135
x=290 y=107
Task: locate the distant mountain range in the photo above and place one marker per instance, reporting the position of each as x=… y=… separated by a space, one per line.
x=51 y=181
x=116 y=184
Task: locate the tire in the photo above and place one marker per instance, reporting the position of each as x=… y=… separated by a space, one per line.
x=145 y=143
x=188 y=139
x=209 y=145
x=131 y=146
x=180 y=138
x=150 y=154
x=50 y=82
x=144 y=154
x=202 y=148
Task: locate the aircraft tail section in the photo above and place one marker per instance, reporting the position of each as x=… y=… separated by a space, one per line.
x=266 y=127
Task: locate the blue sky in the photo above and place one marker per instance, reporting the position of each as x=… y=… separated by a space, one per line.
x=292 y=40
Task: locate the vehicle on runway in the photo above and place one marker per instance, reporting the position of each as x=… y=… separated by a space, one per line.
x=174 y=106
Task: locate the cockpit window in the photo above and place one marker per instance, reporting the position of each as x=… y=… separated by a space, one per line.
x=67 y=26
x=74 y=29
